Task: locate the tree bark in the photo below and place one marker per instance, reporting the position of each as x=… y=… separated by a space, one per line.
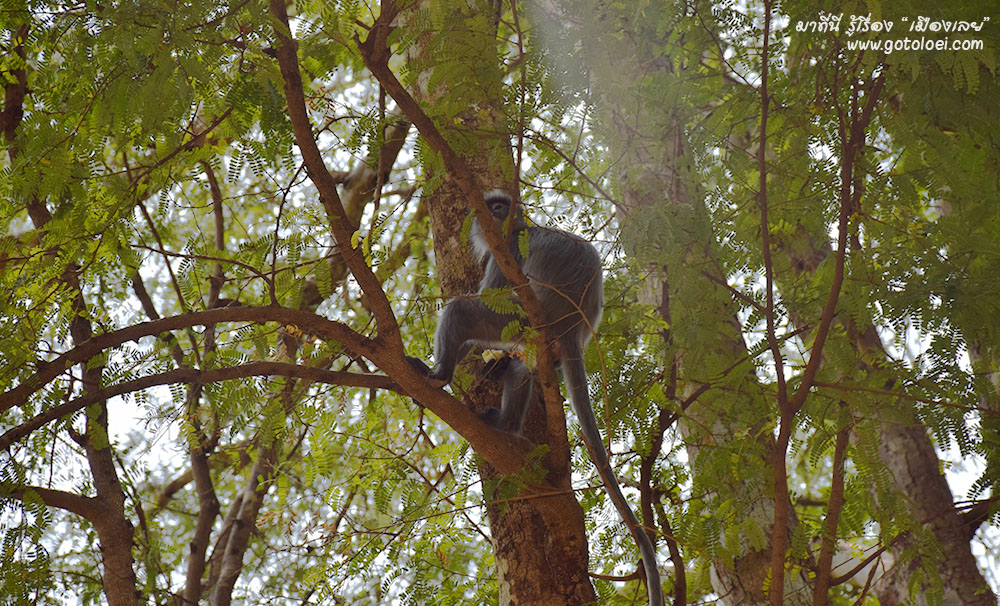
x=909 y=454
x=911 y=459
x=540 y=559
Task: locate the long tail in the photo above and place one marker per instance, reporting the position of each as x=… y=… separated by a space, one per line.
x=575 y=376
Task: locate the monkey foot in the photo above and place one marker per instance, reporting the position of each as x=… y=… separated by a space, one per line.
x=491 y=416
x=418 y=365
x=425 y=370
x=494 y=418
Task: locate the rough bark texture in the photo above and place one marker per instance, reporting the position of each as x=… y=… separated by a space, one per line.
x=909 y=455
x=536 y=564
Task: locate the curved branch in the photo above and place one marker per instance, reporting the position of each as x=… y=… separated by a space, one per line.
x=194 y=375
x=318 y=325
x=507 y=453
x=85 y=507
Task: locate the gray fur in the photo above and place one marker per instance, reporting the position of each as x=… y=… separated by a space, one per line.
x=564 y=271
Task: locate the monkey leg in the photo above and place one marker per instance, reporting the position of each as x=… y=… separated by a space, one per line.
x=464 y=322
x=517 y=383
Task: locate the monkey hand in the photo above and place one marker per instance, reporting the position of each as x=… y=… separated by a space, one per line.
x=495 y=368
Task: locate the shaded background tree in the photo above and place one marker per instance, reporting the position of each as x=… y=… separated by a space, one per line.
x=217 y=246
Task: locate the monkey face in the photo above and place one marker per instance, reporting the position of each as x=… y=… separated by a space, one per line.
x=499 y=207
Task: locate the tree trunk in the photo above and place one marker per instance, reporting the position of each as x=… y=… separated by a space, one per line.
x=908 y=453
x=539 y=560
x=910 y=456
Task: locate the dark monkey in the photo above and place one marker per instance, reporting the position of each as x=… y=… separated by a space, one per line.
x=564 y=271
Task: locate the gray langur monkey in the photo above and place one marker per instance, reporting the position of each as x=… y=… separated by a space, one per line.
x=564 y=271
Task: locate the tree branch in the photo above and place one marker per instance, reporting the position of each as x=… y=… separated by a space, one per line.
x=196 y=376
x=87 y=508
x=833 y=509
x=237 y=538
x=15 y=89
x=506 y=452
x=89 y=348
x=375 y=54
x=326 y=185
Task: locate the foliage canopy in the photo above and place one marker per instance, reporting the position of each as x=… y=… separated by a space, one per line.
x=800 y=331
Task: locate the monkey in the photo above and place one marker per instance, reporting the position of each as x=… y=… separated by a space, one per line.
x=564 y=271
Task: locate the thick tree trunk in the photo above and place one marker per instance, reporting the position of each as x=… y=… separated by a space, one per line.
x=910 y=457
x=655 y=164
x=540 y=560
x=536 y=563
